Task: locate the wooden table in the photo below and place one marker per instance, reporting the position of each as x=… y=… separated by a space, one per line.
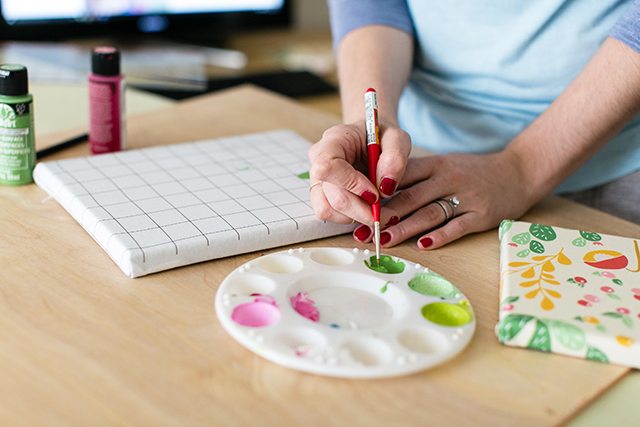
x=81 y=344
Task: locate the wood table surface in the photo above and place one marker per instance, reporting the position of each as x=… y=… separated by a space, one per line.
x=81 y=344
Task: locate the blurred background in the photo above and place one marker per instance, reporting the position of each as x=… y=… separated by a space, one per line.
x=171 y=50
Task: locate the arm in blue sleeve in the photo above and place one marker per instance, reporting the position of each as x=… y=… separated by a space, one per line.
x=627 y=29
x=347 y=15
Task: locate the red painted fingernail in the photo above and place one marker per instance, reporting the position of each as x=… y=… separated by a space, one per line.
x=368 y=197
x=362 y=232
x=388 y=185
x=385 y=236
x=425 y=242
x=392 y=221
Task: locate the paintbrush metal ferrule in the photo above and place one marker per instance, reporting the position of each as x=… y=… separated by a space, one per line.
x=376 y=232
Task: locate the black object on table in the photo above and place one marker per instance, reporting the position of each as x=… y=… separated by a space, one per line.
x=295 y=84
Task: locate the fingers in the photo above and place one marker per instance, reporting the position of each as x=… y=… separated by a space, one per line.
x=412 y=199
x=432 y=218
x=332 y=159
x=396 y=146
x=422 y=219
x=452 y=230
x=346 y=204
x=364 y=233
x=420 y=169
x=322 y=208
x=332 y=203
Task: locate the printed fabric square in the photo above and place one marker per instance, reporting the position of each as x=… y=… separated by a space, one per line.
x=570 y=292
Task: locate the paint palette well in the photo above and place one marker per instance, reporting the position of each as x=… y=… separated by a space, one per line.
x=334 y=311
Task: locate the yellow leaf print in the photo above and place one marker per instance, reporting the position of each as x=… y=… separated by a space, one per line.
x=562 y=259
x=532 y=294
x=625 y=341
x=528 y=273
x=546 y=304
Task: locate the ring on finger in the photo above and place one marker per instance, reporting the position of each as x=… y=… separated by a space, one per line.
x=454 y=202
x=443 y=205
x=314 y=184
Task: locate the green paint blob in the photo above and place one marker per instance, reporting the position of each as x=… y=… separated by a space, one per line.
x=304 y=175
x=387 y=265
x=433 y=285
x=446 y=314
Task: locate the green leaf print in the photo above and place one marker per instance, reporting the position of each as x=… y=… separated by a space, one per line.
x=511 y=325
x=570 y=336
x=536 y=247
x=612 y=314
x=543 y=232
x=579 y=242
x=505 y=226
x=596 y=355
x=541 y=339
x=510 y=300
x=521 y=238
x=593 y=237
x=523 y=253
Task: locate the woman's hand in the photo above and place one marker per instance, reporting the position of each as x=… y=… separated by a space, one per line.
x=488 y=188
x=340 y=190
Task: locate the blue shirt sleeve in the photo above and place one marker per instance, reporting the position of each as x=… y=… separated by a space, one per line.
x=627 y=29
x=348 y=15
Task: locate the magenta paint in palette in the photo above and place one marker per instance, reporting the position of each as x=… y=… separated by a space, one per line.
x=335 y=312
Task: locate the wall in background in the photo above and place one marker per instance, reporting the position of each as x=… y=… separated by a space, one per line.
x=311 y=14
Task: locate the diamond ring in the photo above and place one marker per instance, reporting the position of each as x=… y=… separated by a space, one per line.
x=454 y=202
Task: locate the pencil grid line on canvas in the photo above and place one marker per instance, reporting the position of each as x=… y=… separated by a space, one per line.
x=162 y=207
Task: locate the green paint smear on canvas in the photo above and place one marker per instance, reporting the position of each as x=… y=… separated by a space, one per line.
x=433 y=285
x=446 y=314
x=387 y=265
x=304 y=175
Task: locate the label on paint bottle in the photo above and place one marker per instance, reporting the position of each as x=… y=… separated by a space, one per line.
x=17 y=145
x=106 y=101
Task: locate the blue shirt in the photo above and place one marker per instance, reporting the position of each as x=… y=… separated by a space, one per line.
x=485 y=69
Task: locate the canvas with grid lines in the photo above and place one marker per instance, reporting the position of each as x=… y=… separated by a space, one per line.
x=162 y=207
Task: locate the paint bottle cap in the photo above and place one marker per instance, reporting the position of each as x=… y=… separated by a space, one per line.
x=105 y=61
x=14 y=80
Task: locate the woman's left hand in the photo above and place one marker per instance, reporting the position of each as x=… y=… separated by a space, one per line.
x=443 y=198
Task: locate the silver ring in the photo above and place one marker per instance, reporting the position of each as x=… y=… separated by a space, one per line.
x=454 y=202
x=441 y=203
x=314 y=184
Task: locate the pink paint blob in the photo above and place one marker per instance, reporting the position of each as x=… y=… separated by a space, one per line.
x=591 y=298
x=607 y=274
x=263 y=311
x=622 y=310
x=607 y=289
x=305 y=306
x=635 y=291
x=508 y=307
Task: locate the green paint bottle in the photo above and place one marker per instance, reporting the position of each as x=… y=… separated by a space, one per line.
x=17 y=145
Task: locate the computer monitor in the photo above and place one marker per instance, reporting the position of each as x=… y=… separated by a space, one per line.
x=207 y=21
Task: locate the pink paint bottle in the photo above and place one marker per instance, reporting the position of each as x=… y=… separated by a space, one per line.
x=106 y=101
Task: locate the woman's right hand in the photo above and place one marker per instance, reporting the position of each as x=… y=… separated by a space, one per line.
x=339 y=188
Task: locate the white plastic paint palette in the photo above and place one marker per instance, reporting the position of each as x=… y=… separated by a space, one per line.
x=326 y=311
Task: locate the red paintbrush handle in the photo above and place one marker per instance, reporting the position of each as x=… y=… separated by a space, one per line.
x=373 y=151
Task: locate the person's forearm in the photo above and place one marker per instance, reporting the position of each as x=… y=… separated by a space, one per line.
x=373 y=56
x=593 y=109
